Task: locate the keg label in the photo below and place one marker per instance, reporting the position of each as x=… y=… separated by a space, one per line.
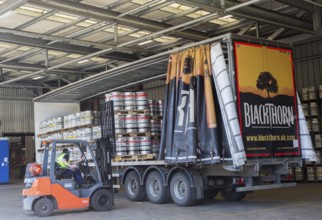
x=266 y=100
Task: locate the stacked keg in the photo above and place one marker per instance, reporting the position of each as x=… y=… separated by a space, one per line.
x=130 y=123
x=129 y=101
x=310 y=173
x=133 y=145
x=318 y=173
x=117 y=98
x=121 y=146
x=141 y=100
x=299 y=174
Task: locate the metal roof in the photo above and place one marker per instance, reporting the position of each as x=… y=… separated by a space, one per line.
x=61 y=44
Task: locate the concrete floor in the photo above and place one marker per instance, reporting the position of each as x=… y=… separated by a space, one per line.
x=303 y=202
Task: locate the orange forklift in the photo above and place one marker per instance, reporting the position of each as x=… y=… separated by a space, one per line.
x=47 y=189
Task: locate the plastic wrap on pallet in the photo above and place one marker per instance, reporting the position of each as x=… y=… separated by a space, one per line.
x=227 y=105
x=306 y=143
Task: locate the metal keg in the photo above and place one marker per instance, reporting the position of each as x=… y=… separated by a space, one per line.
x=315 y=124
x=130 y=123
x=155 y=127
x=143 y=121
x=121 y=146
x=318 y=172
x=313 y=108
x=129 y=100
x=119 y=121
x=305 y=94
x=305 y=107
x=312 y=92
x=317 y=141
x=133 y=145
x=153 y=107
x=118 y=100
x=160 y=107
x=155 y=146
x=299 y=173
x=141 y=100
x=145 y=145
x=310 y=173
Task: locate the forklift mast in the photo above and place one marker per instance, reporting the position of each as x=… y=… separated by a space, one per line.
x=105 y=147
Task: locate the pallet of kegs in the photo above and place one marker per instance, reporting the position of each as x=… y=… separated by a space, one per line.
x=318 y=173
x=310 y=172
x=133 y=145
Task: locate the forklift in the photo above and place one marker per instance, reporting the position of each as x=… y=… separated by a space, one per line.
x=47 y=188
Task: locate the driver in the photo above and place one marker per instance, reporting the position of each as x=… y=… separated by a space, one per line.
x=70 y=168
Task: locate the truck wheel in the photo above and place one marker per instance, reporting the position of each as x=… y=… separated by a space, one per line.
x=232 y=195
x=43 y=207
x=210 y=193
x=134 y=191
x=156 y=191
x=102 y=200
x=181 y=192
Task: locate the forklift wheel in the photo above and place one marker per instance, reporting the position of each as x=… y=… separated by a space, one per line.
x=43 y=207
x=102 y=200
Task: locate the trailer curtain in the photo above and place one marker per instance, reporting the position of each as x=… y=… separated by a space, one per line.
x=189 y=132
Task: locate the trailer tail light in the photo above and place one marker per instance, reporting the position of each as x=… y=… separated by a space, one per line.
x=238 y=181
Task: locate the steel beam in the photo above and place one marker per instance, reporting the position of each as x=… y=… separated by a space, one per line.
x=36 y=42
x=257 y=14
x=105 y=15
x=10 y=5
x=298 y=4
x=32 y=67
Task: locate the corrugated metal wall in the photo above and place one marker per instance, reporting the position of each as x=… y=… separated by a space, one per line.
x=155 y=89
x=308 y=63
x=16 y=111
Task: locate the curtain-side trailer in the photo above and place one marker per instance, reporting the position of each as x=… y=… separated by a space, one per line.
x=232 y=124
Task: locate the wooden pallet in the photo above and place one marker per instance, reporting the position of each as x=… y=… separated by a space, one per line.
x=137 y=157
x=133 y=134
x=131 y=112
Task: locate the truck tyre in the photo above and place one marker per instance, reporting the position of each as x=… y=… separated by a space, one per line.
x=134 y=191
x=232 y=195
x=43 y=207
x=156 y=191
x=102 y=200
x=181 y=192
x=210 y=193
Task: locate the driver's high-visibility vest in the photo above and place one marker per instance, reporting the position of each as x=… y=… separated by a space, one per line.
x=60 y=161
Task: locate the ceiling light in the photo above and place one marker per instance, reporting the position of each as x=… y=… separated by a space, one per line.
x=82 y=61
x=145 y=42
x=227 y=16
x=38 y=77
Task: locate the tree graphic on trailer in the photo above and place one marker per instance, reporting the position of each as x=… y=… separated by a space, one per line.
x=266 y=81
